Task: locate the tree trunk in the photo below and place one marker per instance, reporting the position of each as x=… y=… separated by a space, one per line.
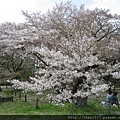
x=36 y=103
x=20 y=95
x=15 y=93
x=81 y=102
x=25 y=97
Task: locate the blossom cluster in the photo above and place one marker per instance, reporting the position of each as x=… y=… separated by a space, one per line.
x=60 y=74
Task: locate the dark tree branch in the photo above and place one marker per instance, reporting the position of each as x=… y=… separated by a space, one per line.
x=107 y=33
x=39 y=57
x=20 y=64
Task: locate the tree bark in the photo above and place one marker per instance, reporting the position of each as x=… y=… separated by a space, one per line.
x=81 y=102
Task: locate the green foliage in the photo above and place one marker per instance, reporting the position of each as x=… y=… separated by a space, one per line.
x=26 y=73
x=13 y=66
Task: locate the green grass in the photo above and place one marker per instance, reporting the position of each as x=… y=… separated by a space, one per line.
x=19 y=107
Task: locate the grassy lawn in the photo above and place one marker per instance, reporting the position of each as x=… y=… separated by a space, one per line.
x=25 y=108
x=20 y=107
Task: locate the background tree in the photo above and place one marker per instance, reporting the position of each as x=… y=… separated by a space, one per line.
x=15 y=61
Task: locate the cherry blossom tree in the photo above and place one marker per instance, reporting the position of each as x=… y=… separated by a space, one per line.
x=67 y=22
x=69 y=76
x=76 y=49
x=14 y=59
x=74 y=76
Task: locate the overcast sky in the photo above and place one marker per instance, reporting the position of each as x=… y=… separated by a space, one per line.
x=10 y=10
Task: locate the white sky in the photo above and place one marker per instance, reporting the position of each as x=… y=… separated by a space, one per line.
x=10 y=10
